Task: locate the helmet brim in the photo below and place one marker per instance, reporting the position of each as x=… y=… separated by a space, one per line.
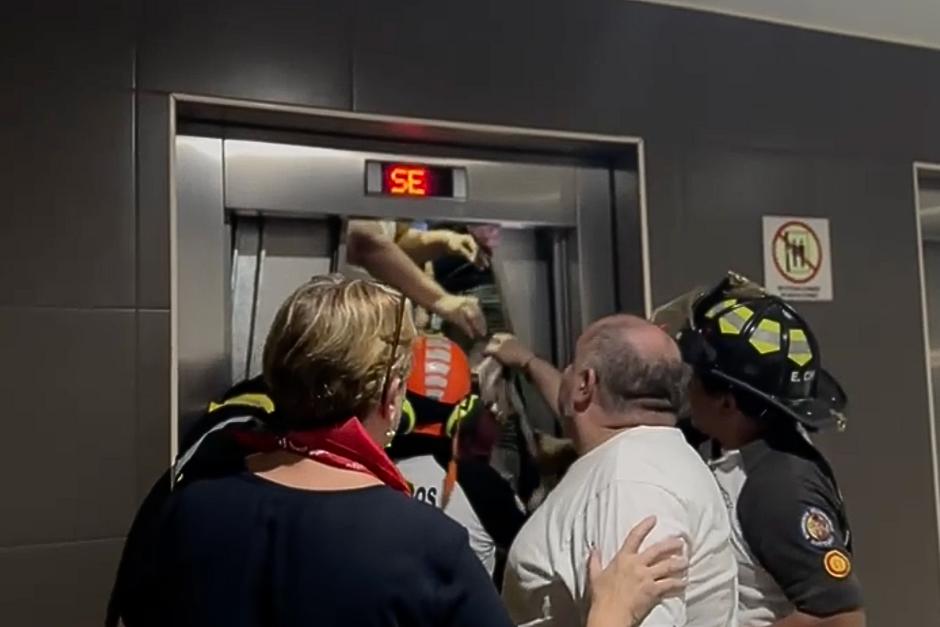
x=824 y=411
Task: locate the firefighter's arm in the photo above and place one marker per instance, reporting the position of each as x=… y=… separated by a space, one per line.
x=368 y=246
x=796 y=537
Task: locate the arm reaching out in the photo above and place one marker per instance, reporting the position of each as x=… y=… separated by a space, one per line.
x=623 y=594
x=368 y=247
x=509 y=351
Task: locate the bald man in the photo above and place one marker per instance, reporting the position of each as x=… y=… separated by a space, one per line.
x=618 y=402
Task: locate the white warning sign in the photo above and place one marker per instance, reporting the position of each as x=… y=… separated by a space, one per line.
x=797 y=258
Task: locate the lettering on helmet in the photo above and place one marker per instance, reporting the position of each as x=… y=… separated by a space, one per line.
x=804 y=377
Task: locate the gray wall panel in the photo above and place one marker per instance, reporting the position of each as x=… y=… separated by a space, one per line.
x=89 y=43
x=64 y=585
x=292 y=51
x=70 y=407
x=66 y=170
x=545 y=64
x=153 y=398
x=877 y=351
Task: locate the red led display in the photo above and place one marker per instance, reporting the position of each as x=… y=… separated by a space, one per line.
x=410 y=180
x=407 y=180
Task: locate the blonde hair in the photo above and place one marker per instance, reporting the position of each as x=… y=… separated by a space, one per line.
x=329 y=350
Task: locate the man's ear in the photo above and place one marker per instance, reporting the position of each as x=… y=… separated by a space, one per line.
x=585 y=389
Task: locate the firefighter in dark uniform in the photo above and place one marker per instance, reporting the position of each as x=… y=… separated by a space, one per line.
x=758 y=390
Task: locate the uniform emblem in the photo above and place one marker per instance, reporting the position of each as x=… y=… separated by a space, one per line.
x=817 y=527
x=837 y=564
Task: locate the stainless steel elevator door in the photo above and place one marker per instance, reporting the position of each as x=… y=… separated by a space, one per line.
x=270 y=259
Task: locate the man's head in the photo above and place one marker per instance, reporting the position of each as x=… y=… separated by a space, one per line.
x=625 y=372
x=339 y=348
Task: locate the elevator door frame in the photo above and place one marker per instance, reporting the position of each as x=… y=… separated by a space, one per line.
x=627 y=197
x=927 y=171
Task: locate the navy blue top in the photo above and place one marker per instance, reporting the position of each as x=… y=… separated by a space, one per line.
x=242 y=551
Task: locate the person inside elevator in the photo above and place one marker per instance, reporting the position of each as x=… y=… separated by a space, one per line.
x=438 y=403
x=758 y=388
x=395 y=253
x=618 y=401
x=318 y=527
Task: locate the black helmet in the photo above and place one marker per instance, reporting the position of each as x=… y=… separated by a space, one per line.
x=758 y=345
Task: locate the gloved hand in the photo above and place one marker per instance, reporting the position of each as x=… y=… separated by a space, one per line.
x=459 y=245
x=509 y=351
x=462 y=311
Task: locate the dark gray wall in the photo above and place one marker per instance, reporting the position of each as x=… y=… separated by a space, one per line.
x=740 y=119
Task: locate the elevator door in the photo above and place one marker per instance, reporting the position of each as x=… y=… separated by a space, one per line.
x=257 y=219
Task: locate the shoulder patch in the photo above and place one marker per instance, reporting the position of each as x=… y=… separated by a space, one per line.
x=817 y=527
x=837 y=564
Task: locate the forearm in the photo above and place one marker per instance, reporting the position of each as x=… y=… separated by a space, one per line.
x=423 y=246
x=846 y=619
x=547 y=380
x=387 y=262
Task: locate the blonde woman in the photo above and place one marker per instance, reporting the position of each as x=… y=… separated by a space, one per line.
x=317 y=526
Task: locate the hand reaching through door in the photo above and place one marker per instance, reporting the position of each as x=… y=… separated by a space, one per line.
x=463 y=312
x=509 y=351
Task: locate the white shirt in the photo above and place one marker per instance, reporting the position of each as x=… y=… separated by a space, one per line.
x=761 y=601
x=427 y=477
x=641 y=472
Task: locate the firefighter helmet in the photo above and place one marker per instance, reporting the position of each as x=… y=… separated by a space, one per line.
x=759 y=345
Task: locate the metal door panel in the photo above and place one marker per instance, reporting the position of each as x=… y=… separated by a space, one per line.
x=246 y=260
x=523 y=278
x=200 y=331
x=595 y=292
x=292 y=251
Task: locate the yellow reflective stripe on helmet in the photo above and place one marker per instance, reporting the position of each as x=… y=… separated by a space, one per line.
x=408 y=416
x=259 y=401
x=733 y=321
x=800 y=352
x=766 y=337
x=461 y=411
x=716 y=309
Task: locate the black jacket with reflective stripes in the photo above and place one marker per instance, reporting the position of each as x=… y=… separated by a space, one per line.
x=206 y=452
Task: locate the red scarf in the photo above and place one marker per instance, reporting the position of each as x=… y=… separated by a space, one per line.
x=345 y=446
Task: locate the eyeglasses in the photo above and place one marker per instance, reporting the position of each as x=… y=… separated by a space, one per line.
x=396 y=339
